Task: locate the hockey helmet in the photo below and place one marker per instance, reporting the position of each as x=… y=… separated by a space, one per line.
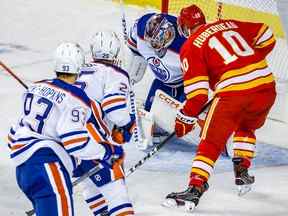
x=105 y=45
x=159 y=32
x=189 y=18
x=68 y=58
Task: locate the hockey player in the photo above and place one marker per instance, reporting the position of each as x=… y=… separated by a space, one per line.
x=58 y=121
x=229 y=57
x=154 y=40
x=104 y=81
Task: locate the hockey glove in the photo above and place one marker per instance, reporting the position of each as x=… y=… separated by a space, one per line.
x=113 y=153
x=123 y=134
x=184 y=124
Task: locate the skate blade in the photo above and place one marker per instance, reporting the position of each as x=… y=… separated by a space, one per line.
x=244 y=189
x=171 y=203
x=189 y=206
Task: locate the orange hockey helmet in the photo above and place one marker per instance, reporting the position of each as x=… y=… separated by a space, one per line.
x=189 y=18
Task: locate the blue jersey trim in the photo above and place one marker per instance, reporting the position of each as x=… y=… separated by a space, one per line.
x=12 y=131
x=115 y=94
x=115 y=108
x=74 y=90
x=98 y=212
x=25 y=148
x=72 y=133
x=117 y=208
x=98 y=196
x=77 y=147
x=178 y=41
x=23 y=139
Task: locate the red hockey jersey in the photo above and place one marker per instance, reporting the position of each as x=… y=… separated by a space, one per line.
x=227 y=56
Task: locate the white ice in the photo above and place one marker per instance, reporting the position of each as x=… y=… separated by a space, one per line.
x=30 y=30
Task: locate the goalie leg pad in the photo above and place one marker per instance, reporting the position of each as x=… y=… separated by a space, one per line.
x=146 y=120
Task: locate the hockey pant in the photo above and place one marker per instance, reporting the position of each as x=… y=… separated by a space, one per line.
x=47 y=185
x=175 y=92
x=106 y=190
x=238 y=114
x=111 y=197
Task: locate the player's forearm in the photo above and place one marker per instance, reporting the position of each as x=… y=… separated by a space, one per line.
x=193 y=106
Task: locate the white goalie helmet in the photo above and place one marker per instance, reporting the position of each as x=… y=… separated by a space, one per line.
x=105 y=45
x=68 y=58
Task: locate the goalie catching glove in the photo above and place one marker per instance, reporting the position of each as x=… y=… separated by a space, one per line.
x=184 y=124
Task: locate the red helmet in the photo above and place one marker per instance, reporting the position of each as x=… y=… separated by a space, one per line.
x=189 y=18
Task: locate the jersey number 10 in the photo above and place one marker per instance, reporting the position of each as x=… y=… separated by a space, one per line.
x=233 y=38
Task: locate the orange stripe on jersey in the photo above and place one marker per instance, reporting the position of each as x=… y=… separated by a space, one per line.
x=113 y=101
x=267 y=42
x=200 y=172
x=60 y=188
x=82 y=139
x=243 y=153
x=197 y=92
x=126 y=213
x=195 y=79
x=247 y=85
x=99 y=117
x=244 y=139
x=205 y=160
x=262 y=30
x=209 y=117
x=93 y=132
x=244 y=70
x=97 y=204
x=16 y=146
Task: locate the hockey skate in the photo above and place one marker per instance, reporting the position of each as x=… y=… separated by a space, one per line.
x=242 y=179
x=188 y=199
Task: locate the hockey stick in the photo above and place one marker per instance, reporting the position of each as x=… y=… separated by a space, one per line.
x=13 y=74
x=123 y=19
x=160 y=145
x=76 y=182
x=137 y=135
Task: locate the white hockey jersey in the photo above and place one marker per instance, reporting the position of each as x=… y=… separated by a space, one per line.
x=61 y=117
x=167 y=68
x=109 y=85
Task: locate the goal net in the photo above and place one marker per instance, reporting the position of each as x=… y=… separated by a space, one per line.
x=256 y=11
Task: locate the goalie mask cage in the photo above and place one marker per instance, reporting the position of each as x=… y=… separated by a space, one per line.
x=256 y=11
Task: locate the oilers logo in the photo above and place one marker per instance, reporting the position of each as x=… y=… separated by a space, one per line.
x=160 y=71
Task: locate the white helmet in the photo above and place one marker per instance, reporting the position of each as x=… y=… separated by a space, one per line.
x=105 y=46
x=68 y=58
